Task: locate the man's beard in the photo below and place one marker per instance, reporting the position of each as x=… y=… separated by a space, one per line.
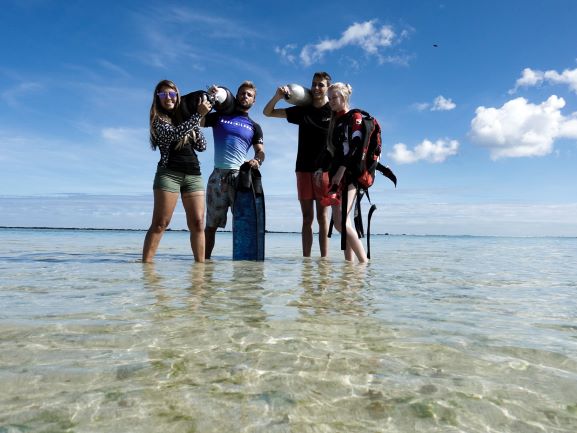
x=244 y=106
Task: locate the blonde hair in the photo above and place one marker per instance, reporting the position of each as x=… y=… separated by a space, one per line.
x=345 y=90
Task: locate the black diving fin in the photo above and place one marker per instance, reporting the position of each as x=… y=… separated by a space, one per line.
x=387 y=172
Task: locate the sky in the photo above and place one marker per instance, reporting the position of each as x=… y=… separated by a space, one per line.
x=477 y=101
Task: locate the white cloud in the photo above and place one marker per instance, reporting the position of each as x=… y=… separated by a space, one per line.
x=421 y=106
x=442 y=104
x=401 y=60
x=568 y=77
x=124 y=135
x=531 y=78
x=367 y=35
x=520 y=128
x=165 y=46
x=569 y=127
x=13 y=96
x=113 y=68
x=286 y=52
x=428 y=151
x=86 y=165
x=350 y=63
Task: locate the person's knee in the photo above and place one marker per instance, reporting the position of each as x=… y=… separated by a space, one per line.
x=159 y=225
x=195 y=224
x=307 y=219
x=322 y=221
x=337 y=226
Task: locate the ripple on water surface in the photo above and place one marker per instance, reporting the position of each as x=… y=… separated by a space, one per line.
x=448 y=335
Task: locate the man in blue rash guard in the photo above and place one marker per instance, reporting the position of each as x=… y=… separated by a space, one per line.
x=233 y=134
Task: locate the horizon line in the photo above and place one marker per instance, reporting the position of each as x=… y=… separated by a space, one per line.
x=279 y=232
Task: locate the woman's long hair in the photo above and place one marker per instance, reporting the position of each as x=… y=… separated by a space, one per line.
x=345 y=90
x=156 y=110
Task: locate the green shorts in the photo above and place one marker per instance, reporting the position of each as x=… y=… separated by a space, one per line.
x=176 y=181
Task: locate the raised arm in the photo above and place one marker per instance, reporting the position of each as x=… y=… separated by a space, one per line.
x=212 y=90
x=270 y=110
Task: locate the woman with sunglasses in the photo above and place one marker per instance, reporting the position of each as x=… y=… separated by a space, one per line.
x=178 y=171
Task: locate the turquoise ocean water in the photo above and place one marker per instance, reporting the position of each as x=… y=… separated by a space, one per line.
x=436 y=334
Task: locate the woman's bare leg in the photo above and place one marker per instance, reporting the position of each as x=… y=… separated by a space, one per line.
x=164 y=204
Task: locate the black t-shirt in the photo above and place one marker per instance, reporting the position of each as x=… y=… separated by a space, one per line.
x=184 y=160
x=313 y=125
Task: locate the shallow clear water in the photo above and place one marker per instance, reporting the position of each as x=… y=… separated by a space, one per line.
x=436 y=334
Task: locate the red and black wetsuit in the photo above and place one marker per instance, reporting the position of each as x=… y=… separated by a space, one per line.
x=347 y=136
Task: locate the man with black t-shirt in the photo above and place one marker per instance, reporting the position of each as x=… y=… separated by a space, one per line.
x=313 y=121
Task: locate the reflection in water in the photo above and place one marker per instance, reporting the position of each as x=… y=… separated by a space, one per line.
x=153 y=282
x=188 y=296
x=201 y=275
x=444 y=336
x=214 y=289
x=330 y=288
x=247 y=290
x=208 y=342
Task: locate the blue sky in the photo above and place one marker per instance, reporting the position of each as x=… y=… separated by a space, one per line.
x=481 y=129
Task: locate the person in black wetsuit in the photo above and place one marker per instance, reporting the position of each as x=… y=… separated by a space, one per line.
x=344 y=136
x=178 y=171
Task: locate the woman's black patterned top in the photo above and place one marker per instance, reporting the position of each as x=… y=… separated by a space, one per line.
x=167 y=136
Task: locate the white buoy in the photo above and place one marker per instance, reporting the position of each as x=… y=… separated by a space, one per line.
x=298 y=95
x=224 y=100
x=220 y=95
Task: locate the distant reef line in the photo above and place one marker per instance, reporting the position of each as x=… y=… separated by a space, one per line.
x=95 y=229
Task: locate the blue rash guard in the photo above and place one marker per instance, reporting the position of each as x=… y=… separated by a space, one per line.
x=233 y=134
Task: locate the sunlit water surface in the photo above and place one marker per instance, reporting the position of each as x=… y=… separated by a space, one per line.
x=436 y=334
